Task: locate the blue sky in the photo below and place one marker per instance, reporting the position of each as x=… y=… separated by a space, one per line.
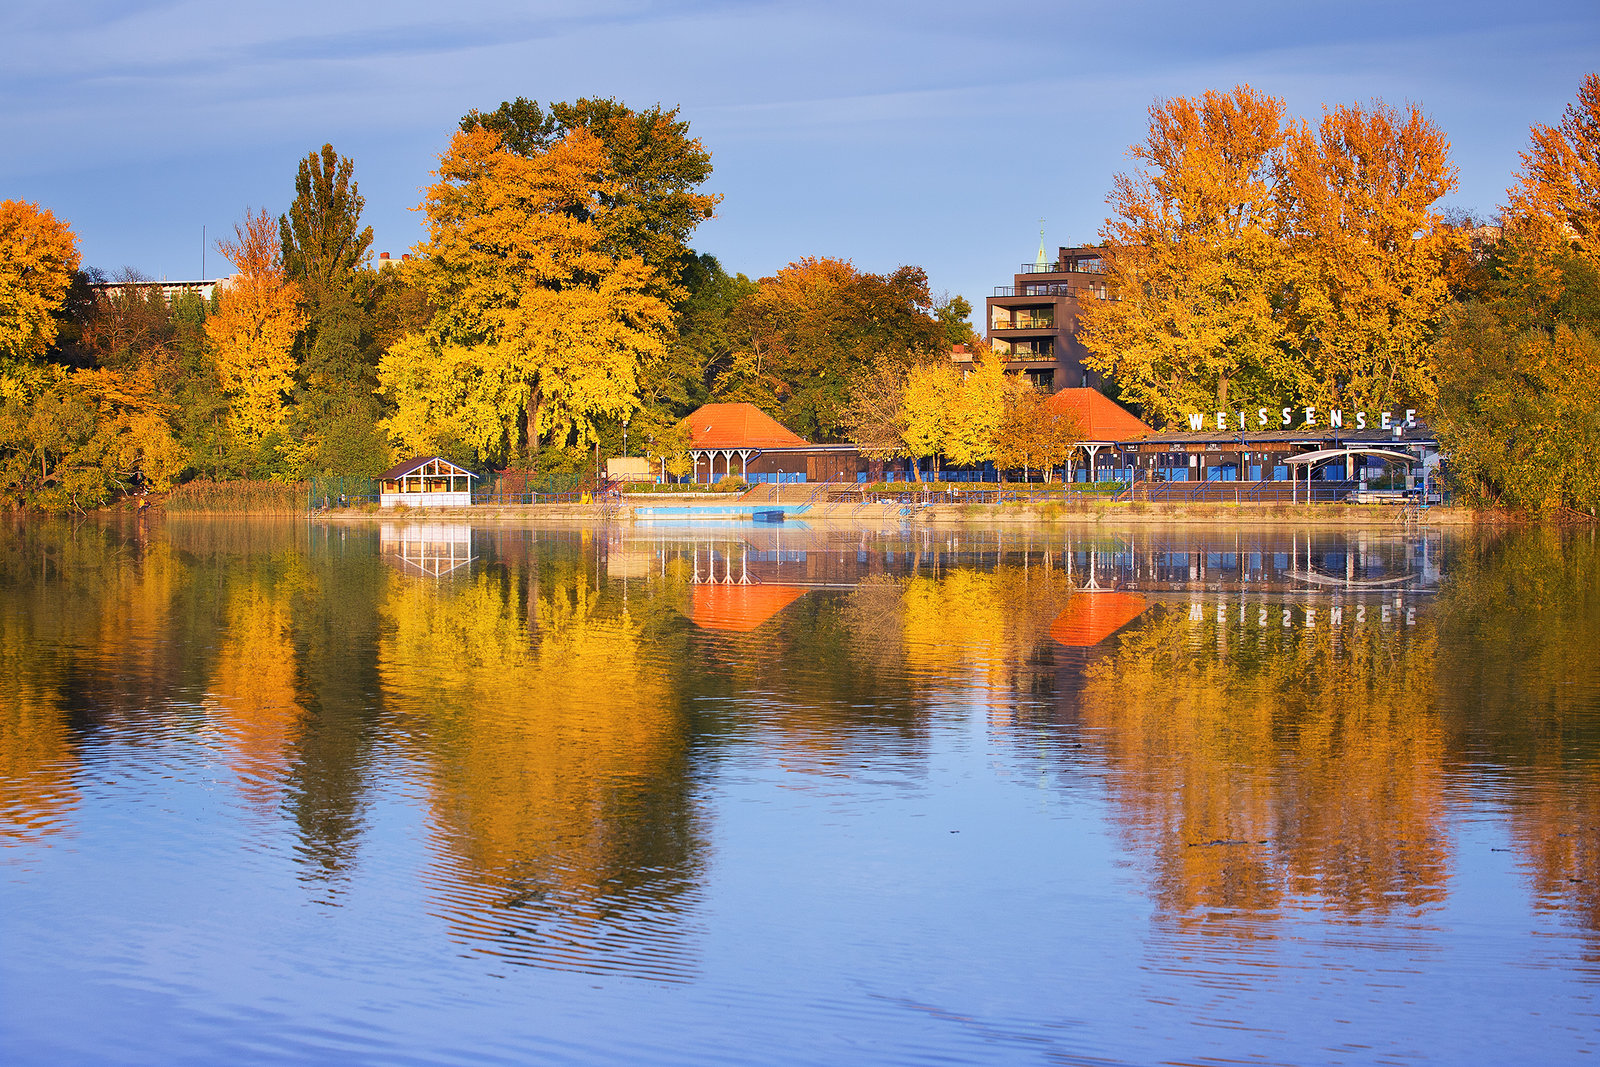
x=934 y=133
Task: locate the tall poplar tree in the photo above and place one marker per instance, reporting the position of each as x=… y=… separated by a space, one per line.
x=325 y=250
x=252 y=337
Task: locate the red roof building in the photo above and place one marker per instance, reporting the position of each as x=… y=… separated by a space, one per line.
x=1100 y=419
x=767 y=450
x=738 y=427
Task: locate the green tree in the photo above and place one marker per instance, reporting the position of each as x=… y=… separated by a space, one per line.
x=333 y=427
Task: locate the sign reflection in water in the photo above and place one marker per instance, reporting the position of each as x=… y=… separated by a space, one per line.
x=571 y=752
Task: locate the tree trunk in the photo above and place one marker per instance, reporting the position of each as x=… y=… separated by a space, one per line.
x=530 y=433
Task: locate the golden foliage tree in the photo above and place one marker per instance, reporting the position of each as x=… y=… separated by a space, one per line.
x=1254 y=259
x=1033 y=433
x=1558 y=191
x=973 y=430
x=1194 y=259
x=1518 y=409
x=253 y=331
x=929 y=402
x=1367 y=255
x=815 y=326
x=538 y=328
x=38 y=255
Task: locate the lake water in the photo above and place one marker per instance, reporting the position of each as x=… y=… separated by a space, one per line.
x=272 y=792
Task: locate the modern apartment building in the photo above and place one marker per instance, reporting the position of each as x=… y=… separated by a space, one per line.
x=1033 y=322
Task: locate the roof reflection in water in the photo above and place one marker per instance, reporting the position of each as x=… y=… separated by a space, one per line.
x=1092 y=617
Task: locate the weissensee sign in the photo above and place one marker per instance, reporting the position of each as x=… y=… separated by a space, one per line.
x=1240 y=420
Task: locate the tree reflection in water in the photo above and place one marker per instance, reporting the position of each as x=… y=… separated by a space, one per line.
x=564 y=697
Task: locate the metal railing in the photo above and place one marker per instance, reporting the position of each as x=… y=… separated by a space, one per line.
x=1087 y=266
x=1226 y=492
x=1039 y=289
x=495 y=496
x=1024 y=324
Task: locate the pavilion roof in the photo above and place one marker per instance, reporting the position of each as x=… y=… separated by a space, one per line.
x=1101 y=418
x=1092 y=617
x=412 y=466
x=739 y=426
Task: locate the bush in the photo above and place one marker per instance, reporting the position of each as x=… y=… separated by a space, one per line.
x=731 y=483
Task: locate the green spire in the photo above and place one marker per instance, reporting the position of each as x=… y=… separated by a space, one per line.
x=1041 y=262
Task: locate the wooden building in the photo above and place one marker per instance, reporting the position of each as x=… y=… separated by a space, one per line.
x=426 y=482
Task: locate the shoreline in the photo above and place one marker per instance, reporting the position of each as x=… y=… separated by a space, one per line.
x=1088 y=514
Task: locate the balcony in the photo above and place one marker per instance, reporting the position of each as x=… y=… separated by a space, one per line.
x=1035 y=323
x=1076 y=266
x=1038 y=289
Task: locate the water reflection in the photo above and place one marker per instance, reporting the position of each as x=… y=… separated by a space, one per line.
x=1275 y=724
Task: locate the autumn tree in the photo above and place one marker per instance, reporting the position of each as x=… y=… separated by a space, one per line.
x=1558 y=191
x=253 y=332
x=808 y=330
x=1518 y=411
x=536 y=326
x=1366 y=256
x=975 y=413
x=646 y=203
x=875 y=418
x=1254 y=259
x=1194 y=261
x=928 y=404
x=38 y=255
x=1033 y=432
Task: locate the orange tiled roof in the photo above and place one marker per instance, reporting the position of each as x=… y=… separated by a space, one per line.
x=738 y=426
x=1102 y=418
x=1092 y=617
x=739 y=608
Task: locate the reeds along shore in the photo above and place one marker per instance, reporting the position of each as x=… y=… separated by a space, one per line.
x=205 y=497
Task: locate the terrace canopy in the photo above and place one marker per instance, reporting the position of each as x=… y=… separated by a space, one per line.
x=1324 y=455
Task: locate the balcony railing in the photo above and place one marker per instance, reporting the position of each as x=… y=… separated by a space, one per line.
x=1023 y=324
x=1054 y=289
x=1039 y=289
x=1084 y=266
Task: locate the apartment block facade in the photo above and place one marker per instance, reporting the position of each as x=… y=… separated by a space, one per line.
x=1033 y=323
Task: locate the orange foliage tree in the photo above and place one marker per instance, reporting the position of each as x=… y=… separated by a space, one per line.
x=1254 y=260
x=38 y=254
x=252 y=334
